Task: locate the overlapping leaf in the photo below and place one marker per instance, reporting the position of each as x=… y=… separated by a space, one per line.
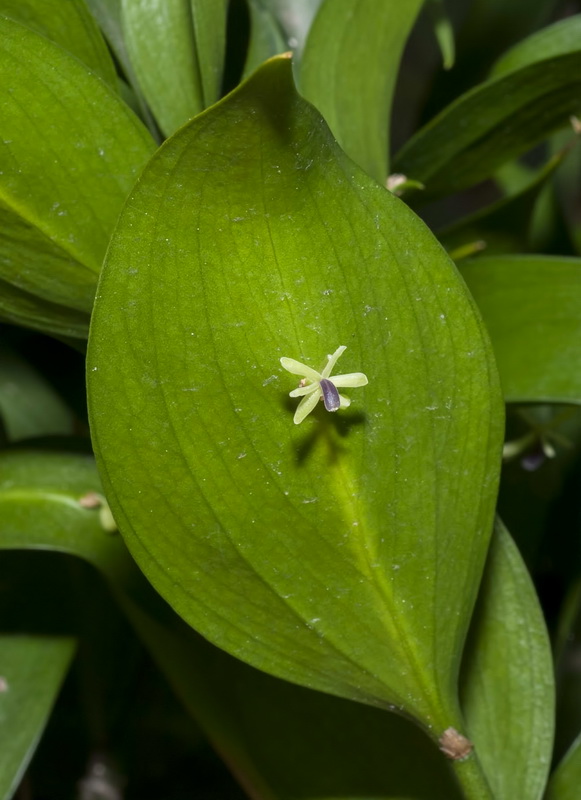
x=303 y=550
x=532 y=309
x=185 y=40
x=492 y=124
x=71 y=151
x=509 y=693
x=31 y=673
x=354 y=100
x=69 y=25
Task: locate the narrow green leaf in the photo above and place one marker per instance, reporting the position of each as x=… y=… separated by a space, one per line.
x=266 y=36
x=491 y=124
x=209 y=26
x=301 y=549
x=355 y=100
x=504 y=226
x=29 y=406
x=42 y=506
x=444 y=31
x=532 y=308
x=32 y=669
x=554 y=40
x=71 y=151
x=509 y=693
x=565 y=781
x=69 y=25
x=21 y=308
x=184 y=39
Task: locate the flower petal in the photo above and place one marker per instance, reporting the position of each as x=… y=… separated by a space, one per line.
x=328 y=369
x=350 y=379
x=305 y=407
x=345 y=401
x=304 y=390
x=296 y=368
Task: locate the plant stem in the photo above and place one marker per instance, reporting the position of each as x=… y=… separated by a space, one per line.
x=471 y=778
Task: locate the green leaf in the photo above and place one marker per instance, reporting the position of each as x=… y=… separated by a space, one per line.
x=532 y=309
x=554 y=40
x=177 y=51
x=565 y=781
x=71 y=151
x=491 y=124
x=354 y=100
x=302 y=550
x=509 y=693
x=504 y=226
x=40 y=494
x=266 y=36
x=444 y=31
x=69 y=25
x=108 y=14
x=21 y=308
x=29 y=406
x=335 y=746
x=31 y=673
x=318 y=746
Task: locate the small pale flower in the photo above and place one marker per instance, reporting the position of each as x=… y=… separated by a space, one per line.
x=316 y=385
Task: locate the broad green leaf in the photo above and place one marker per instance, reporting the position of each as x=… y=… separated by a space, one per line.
x=336 y=747
x=266 y=36
x=69 y=25
x=504 y=226
x=302 y=550
x=509 y=693
x=32 y=669
x=318 y=746
x=348 y=72
x=176 y=48
x=29 y=406
x=491 y=124
x=562 y=37
x=71 y=151
x=565 y=781
x=532 y=309
x=22 y=308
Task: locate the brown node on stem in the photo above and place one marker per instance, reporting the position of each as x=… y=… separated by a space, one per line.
x=454 y=745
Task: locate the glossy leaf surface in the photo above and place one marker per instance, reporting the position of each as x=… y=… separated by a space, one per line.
x=184 y=39
x=22 y=308
x=71 y=151
x=71 y=26
x=491 y=124
x=354 y=100
x=307 y=544
x=532 y=309
x=509 y=693
x=342 y=750
x=31 y=673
